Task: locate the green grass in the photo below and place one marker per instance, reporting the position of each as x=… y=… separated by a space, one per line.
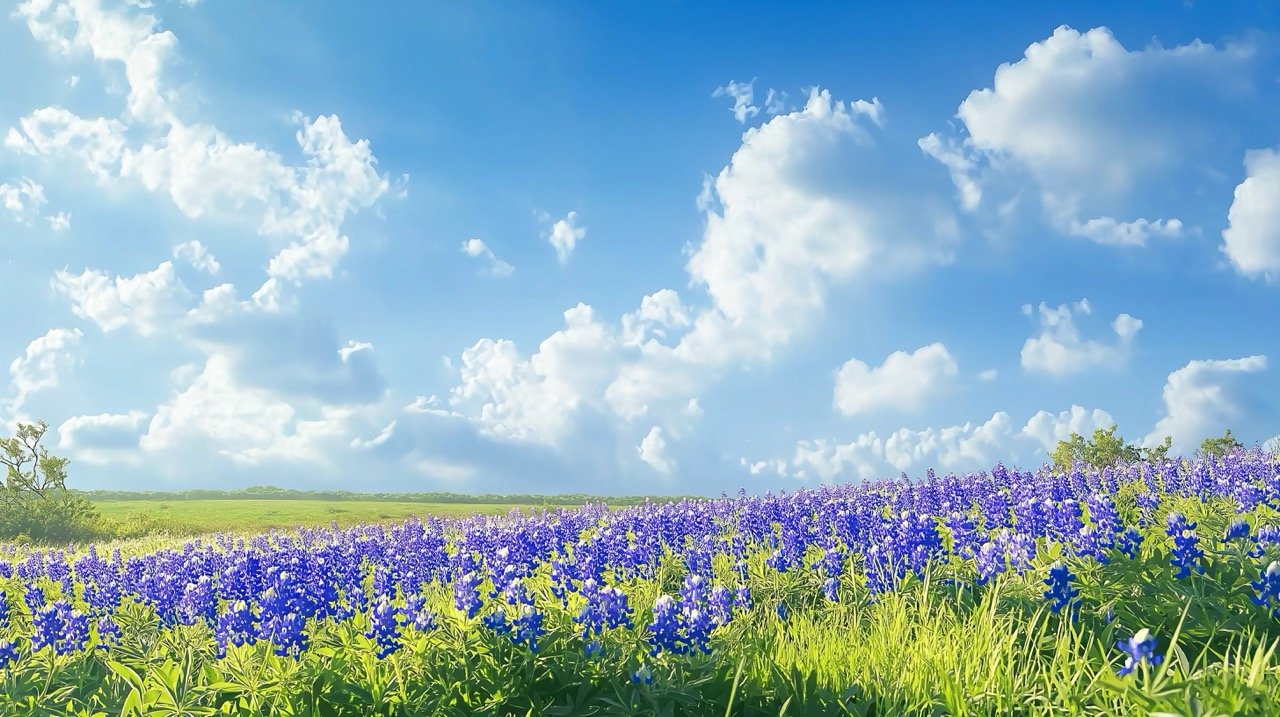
x=194 y=517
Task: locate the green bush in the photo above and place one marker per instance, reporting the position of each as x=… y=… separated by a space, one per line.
x=34 y=503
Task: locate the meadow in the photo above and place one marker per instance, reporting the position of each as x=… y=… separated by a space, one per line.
x=243 y=515
x=1145 y=588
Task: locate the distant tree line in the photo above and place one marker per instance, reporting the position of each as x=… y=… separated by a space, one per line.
x=1107 y=449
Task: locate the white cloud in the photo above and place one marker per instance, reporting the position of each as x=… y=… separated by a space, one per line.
x=218 y=415
x=904 y=382
x=653 y=450
x=1059 y=349
x=564 y=235
x=1092 y=127
x=537 y=399
x=345 y=352
x=197 y=254
x=775 y=102
x=742 y=94
x=53 y=131
x=59 y=222
x=148 y=302
x=953 y=447
x=131 y=40
x=988 y=375
x=1252 y=238
x=1202 y=399
x=800 y=207
x=498 y=268
x=37 y=368
x=1048 y=428
x=22 y=200
x=105 y=438
x=958 y=448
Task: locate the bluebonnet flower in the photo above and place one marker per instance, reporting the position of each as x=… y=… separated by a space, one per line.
x=1105 y=517
x=60 y=626
x=419 y=617
x=1139 y=648
x=384 y=626
x=237 y=626
x=666 y=632
x=1129 y=543
x=593 y=648
x=33 y=597
x=466 y=594
x=642 y=676
x=8 y=653
x=1186 y=554
x=1268 y=588
x=497 y=621
x=1237 y=530
x=1060 y=591
x=964 y=534
x=1147 y=504
x=784 y=612
x=108 y=632
x=4 y=610
x=527 y=627
x=990 y=561
x=720 y=605
x=742 y=597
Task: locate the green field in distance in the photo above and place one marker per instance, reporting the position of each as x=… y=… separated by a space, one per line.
x=193 y=517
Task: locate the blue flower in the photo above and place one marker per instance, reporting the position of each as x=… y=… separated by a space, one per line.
x=527 y=627
x=1139 y=648
x=666 y=632
x=8 y=653
x=1238 y=530
x=384 y=626
x=1186 y=554
x=1268 y=588
x=1060 y=591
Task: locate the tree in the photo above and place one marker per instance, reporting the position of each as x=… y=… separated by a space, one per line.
x=1105 y=449
x=1221 y=446
x=1159 y=453
x=47 y=474
x=34 y=502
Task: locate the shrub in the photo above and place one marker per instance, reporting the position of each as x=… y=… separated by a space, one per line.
x=34 y=503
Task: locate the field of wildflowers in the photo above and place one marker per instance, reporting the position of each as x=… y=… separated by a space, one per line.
x=1140 y=589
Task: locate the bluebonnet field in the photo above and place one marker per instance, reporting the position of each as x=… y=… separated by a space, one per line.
x=1131 y=590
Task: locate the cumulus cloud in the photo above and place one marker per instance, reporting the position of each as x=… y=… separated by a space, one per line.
x=22 y=201
x=1049 y=428
x=653 y=451
x=104 y=438
x=564 y=235
x=37 y=368
x=1251 y=240
x=1202 y=399
x=742 y=94
x=904 y=382
x=146 y=302
x=800 y=207
x=198 y=256
x=475 y=248
x=1060 y=350
x=1091 y=127
x=958 y=448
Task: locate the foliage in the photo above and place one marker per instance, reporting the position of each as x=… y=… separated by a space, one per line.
x=34 y=502
x=1148 y=588
x=1105 y=449
x=1221 y=446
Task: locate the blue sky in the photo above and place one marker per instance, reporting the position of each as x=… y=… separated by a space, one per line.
x=648 y=248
